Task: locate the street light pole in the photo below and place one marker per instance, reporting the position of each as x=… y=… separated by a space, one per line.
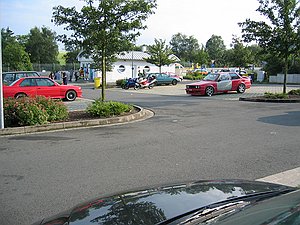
x=1 y=89
x=132 y=68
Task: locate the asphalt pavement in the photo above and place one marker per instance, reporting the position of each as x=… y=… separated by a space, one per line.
x=188 y=138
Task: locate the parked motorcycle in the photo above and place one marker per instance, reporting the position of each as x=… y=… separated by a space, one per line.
x=130 y=83
x=145 y=83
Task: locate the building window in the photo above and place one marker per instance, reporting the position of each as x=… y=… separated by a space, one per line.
x=147 y=69
x=121 y=69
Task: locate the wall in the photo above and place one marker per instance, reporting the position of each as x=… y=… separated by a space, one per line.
x=291 y=78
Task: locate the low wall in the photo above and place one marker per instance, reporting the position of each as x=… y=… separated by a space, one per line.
x=291 y=78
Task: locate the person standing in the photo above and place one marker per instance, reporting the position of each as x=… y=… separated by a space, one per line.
x=65 y=78
x=51 y=75
x=71 y=74
x=81 y=73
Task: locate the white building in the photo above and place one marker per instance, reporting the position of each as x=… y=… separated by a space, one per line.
x=128 y=65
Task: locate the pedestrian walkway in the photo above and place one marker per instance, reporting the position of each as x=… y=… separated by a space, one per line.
x=289 y=178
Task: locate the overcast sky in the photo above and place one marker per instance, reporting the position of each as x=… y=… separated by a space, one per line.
x=198 y=18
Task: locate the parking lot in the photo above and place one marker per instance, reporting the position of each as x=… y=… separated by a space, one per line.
x=179 y=90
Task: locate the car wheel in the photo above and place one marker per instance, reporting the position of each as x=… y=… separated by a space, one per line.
x=71 y=95
x=174 y=82
x=20 y=95
x=209 y=91
x=241 y=88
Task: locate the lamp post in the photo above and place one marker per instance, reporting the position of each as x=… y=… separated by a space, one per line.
x=132 y=68
x=1 y=90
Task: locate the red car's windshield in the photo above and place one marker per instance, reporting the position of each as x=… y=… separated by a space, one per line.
x=211 y=77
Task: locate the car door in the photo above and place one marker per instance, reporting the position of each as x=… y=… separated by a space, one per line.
x=224 y=83
x=236 y=80
x=27 y=86
x=46 y=87
x=159 y=79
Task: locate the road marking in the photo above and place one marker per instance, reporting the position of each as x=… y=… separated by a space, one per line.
x=289 y=178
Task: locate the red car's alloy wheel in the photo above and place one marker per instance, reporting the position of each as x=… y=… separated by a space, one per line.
x=209 y=91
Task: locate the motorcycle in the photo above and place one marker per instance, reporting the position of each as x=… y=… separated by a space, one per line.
x=145 y=83
x=130 y=83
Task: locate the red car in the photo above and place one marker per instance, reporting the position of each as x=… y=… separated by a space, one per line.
x=219 y=83
x=33 y=86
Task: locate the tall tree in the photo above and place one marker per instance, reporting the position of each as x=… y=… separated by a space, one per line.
x=281 y=36
x=160 y=54
x=41 y=45
x=14 y=55
x=240 y=55
x=202 y=57
x=186 y=48
x=216 y=48
x=104 y=28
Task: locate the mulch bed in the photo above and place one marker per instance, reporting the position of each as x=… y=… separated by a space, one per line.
x=83 y=115
x=291 y=99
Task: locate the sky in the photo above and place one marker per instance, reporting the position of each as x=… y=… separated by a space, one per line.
x=198 y=18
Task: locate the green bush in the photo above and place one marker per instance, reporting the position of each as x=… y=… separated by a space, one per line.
x=294 y=92
x=276 y=95
x=32 y=111
x=56 y=109
x=194 y=76
x=108 y=109
x=120 y=83
x=23 y=112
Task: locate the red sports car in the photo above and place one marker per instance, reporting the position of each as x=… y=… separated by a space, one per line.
x=219 y=82
x=33 y=86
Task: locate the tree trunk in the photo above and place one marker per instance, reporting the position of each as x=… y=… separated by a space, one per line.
x=159 y=69
x=103 y=77
x=285 y=73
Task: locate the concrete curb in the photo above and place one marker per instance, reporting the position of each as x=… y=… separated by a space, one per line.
x=142 y=114
x=255 y=99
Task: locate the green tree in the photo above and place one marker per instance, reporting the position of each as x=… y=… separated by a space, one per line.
x=216 y=48
x=41 y=45
x=160 y=54
x=14 y=55
x=72 y=53
x=104 y=28
x=240 y=55
x=281 y=36
x=184 y=47
x=202 y=56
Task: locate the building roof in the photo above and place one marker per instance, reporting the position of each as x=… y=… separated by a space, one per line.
x=131 y=55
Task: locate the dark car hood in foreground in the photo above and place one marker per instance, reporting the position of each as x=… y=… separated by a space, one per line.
x=154 y=205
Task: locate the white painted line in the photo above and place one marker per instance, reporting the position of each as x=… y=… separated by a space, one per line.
x=289 y=178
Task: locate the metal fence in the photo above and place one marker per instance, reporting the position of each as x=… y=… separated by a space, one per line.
x=48 y=67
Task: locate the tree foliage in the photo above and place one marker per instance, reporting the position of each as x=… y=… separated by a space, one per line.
x=14 y=55
x=104 y=28
x=202 y=56
x=184 y=47
x=281 y=35
x=41 y=45
x=160 y=54
x=215 y=48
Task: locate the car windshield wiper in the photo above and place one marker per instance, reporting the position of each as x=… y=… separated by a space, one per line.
x=209 y=214
x=213 y=207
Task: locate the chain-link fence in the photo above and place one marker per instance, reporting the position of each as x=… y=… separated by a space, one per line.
x=48 y=67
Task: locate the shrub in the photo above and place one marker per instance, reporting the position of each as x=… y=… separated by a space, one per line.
x=120 y=83
x=33 y=111
x=294 y=92
x=276 y=95
x=107 y=109
x=23 y=112
x=56 y=109
x=194 y=76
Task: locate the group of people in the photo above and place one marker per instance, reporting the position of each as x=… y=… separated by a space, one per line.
x=66 y=76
